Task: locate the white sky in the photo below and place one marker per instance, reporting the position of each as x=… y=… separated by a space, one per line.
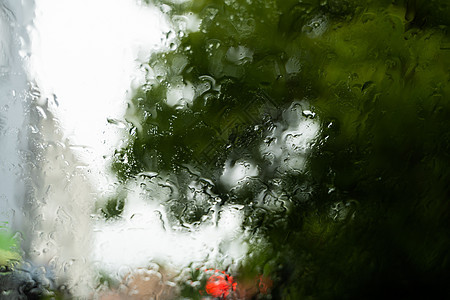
x=87 y=53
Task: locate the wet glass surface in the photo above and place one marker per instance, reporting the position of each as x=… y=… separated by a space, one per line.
x=233 y=149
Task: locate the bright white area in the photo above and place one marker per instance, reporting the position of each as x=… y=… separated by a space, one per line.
x=86 y=59
x=181 y=95
x=289 y=142
x=144 y=234
x=235 y=175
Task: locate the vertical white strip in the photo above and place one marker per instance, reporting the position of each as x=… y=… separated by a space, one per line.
x=15 y=17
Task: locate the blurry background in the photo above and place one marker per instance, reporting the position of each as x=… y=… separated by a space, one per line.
x=269 y=149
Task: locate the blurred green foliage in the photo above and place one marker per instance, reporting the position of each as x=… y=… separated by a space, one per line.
x=9 y=249
x=113 y=208
x=376 y=221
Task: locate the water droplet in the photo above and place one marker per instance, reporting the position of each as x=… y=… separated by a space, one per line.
x=309 y=114
x=41 y=112
x=117 y=122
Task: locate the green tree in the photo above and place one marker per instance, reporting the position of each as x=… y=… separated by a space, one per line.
x=369 y=216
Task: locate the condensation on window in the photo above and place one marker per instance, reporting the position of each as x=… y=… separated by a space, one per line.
x=239 y=149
